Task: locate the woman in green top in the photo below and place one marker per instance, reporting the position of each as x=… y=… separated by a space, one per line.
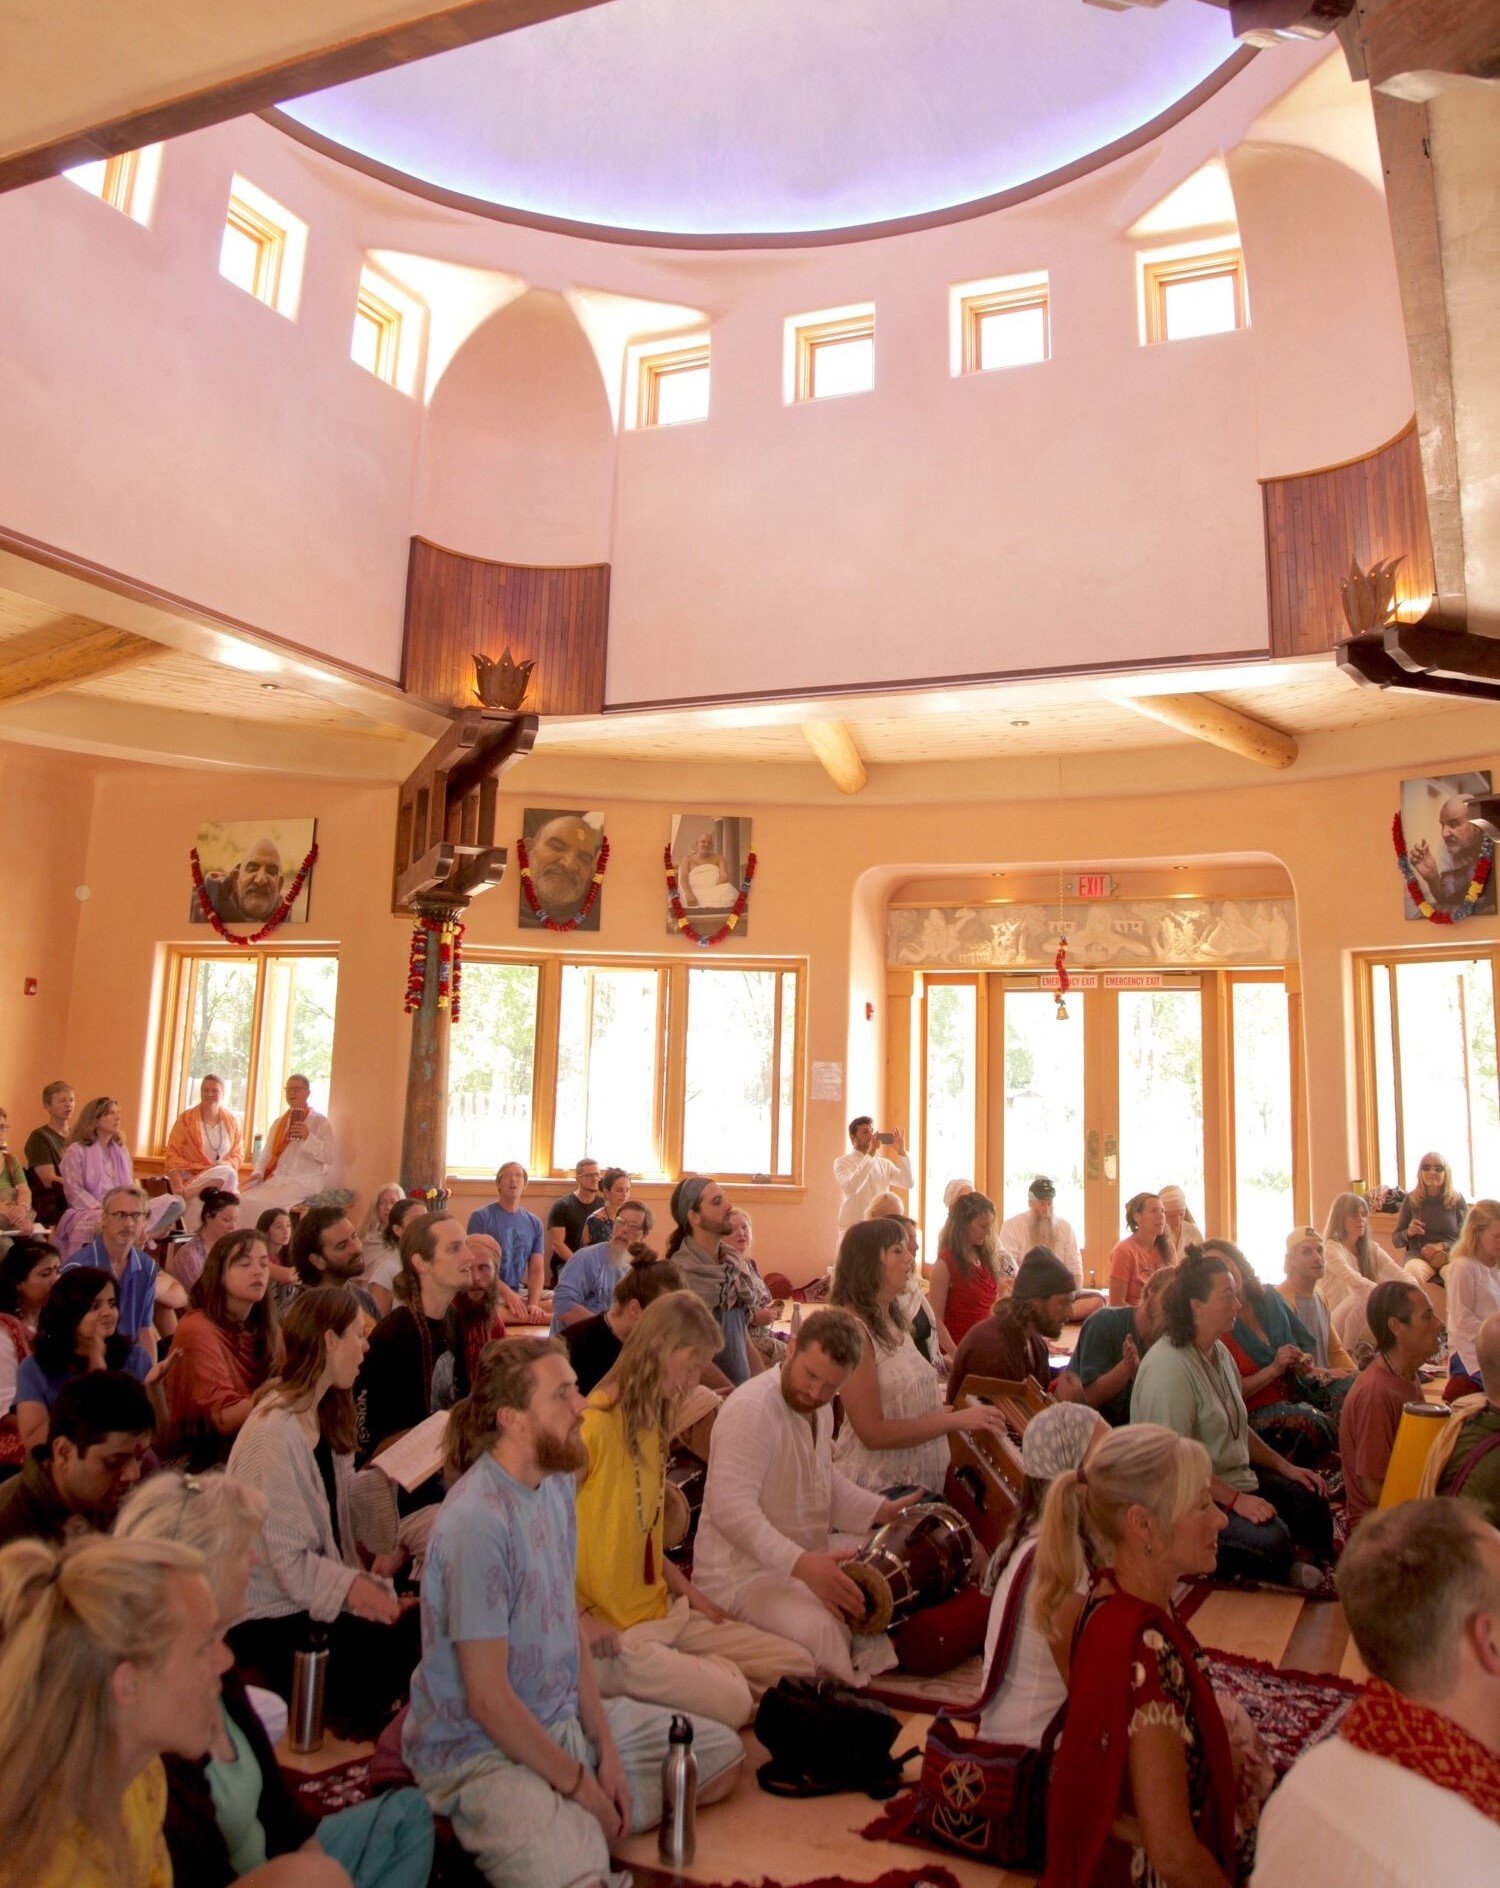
x=1280 y=1528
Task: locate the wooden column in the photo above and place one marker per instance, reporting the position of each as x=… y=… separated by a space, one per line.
x=424 y=1126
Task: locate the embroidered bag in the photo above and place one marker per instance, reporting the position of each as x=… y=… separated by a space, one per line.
x=979 y=1798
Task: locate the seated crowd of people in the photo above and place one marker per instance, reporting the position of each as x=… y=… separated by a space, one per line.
x=192 y=1494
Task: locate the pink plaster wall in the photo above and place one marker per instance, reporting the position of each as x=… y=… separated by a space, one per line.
x=1101 y=508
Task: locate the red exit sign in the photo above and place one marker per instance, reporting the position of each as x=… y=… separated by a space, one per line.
x=1094 y=884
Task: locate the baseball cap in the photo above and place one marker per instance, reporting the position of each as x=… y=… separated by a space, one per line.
x=1042 y=1188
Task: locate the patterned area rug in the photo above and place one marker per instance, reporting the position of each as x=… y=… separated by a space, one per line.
x=325 y=1791
x=1291 y=1710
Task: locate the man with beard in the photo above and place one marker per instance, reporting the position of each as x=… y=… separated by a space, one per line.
x=709 y=1269
x=251 y=890
x=1012 y=1342
x=507 y=1734
x=779 y=1519
x=1463 y=842
x=562 y=858
x=326 y=1249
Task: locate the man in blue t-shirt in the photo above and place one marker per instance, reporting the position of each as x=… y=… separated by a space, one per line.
x=1111 y=1346
x=586 y=1287
x=140 y=1286
x=507 y=1734
x=516 y=1231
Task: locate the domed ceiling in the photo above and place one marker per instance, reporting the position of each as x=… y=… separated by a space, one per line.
x=731 y=117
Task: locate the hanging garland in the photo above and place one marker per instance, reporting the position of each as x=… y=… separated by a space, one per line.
x=685 y=924
x=1064 y=981
x=277 y=918
x=1419 y=897
x=450 y=964
x=568 y=924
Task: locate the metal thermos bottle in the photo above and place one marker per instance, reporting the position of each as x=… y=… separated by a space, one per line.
x=677 y=1839
x=309 y=1676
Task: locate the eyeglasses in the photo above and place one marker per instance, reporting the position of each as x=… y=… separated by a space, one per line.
x=114 y=1215
x=190 y=1486
x=1431 y=1166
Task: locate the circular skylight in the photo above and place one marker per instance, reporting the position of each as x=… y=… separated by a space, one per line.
x=732 y=117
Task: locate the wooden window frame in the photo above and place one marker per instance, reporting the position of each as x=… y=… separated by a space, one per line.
x=370 y=306
x=655 y=365
x=670 y=1086
x=180 y=974
x=270 y=240
x=1365 y=964
x=813 y=336
x=1163 y=272
x=974 y=310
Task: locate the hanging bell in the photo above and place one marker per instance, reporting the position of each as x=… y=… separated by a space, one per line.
x=1062 y=1011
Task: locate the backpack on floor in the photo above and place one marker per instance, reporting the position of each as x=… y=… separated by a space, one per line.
x=823 y=1737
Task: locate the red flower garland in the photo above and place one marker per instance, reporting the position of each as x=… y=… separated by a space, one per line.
x=450 y=964
x=567 y=924
x=1418 y=894
x=277 y=918
x=685 y=924
x=1064 y=981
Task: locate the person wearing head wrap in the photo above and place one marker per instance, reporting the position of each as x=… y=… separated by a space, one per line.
x=1034 y=1686
x=700 y=1214
x=1182 y=1229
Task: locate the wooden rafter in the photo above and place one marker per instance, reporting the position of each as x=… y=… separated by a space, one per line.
x=834 y=746
x=1219 y=724
x=45 y=660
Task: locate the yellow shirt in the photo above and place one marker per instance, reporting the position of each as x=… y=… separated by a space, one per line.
x=620 y=1497
x=77 y=1864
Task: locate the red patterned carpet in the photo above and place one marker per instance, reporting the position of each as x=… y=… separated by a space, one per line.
x=1290 y=1709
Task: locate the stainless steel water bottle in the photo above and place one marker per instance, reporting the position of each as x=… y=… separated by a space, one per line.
x=677 y=1838
x=309 y=1676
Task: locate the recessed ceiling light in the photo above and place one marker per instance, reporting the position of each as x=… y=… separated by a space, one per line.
x=270 y=687
x=1020 y=724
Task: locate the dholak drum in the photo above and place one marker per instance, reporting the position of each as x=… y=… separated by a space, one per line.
x=920 y=1557
x=676 y=1519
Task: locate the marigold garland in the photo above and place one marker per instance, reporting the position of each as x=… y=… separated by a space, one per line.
x=566 y=924
x=450 y=964
x=1064 y=981
x=1420 y=899
x=685 y=924
x=277 y=918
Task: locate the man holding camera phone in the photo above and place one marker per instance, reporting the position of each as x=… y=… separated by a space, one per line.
x=867 y=1170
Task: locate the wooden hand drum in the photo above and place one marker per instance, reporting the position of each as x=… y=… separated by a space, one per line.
x=985 y=1479
x=920 y=1557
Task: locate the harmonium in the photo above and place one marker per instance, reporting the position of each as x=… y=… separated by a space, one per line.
x=985 y=1474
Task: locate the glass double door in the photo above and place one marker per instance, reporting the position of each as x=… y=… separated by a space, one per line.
x=1185 y=1082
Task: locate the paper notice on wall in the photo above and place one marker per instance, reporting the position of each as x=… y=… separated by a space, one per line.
x=827 y=1081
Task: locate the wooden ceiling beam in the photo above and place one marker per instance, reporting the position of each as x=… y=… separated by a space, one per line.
x=1218 y=724
x=834 y=746
x=42 y=662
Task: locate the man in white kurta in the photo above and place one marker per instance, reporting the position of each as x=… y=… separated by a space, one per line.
x=1408 y=1790
x=778 y=1518
x=865 y=1170
x=300 y=1157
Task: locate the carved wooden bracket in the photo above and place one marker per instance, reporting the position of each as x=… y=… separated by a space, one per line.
x=445 y=827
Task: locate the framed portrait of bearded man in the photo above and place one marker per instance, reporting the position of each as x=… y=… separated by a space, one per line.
x=1443 y=845
x=249 y=867
x=562 y=855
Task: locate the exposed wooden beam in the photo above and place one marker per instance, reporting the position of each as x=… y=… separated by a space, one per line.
x=1413 y=48
x=1217 y=723
x=834 y=746
x=263 y=80
x=41 y=662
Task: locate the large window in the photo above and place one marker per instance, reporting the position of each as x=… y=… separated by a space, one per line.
x=252 y=1019
x=660 y=1068
x=1428 y=1066
x=1261 y=1057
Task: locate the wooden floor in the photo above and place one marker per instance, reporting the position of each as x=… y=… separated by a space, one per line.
x=751 y=1837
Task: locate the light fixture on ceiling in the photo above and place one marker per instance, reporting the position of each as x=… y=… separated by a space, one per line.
x=271 y=688
x=1020 y=724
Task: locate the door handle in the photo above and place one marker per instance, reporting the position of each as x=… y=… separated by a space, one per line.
x=1091 y=1154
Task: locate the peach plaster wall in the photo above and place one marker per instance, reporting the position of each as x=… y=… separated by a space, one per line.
x=825 y=873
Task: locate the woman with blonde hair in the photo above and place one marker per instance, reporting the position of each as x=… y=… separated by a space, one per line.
x=1143 y=1781
x=1428 y=1226
x=94 y=1162
x=896 y=1426
x=1473 y=1285
x=1353 y=1265
x=654 y=1636
x=110 y=1659
x=229 y=1808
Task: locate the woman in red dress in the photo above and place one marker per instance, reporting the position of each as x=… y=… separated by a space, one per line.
x=970 y=1272
x=1143 y=1788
